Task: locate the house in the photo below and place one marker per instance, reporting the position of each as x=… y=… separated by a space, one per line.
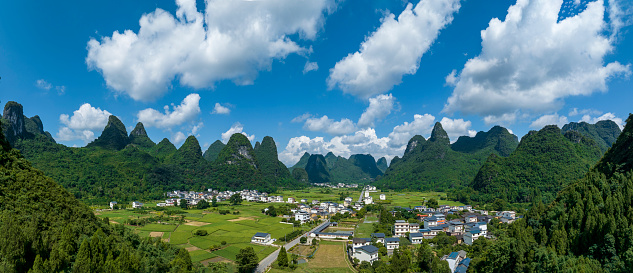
x=304 y=201
x=137 y=205
x=401 y=227
x=383 y=197
x=368 y=200
x=455 y=259
x=455 y=227
x=471 y=235
x=359 y=242
x=291 y=200
x=414 y=227
x=112 y=204
x=470 y=218
x=416 y=238
x=330 y=235
x=392 y=243
x=366 y=253
x=261 y=238
x=462 y=267
x=349 y=199
x=302 y=217
x=315 y=202
x=380 y=237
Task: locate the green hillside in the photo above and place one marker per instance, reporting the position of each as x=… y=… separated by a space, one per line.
x=586 y=229
x=544 y=161
x=211 y=154
x=436 y=165
x=337 y=169
x=45 y=229
x=604 y=132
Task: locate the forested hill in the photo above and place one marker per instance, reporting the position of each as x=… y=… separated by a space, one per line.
x=359 y=168
x=44 y=228
x=545 y=161
x=604 y=132
x=122 y=167
x=586 y=229
x=435 y=164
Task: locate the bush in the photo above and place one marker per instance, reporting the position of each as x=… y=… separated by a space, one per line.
x=223 y=243
x=201 y=232
x=303 y=240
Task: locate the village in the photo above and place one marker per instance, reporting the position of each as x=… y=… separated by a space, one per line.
x=427 y=223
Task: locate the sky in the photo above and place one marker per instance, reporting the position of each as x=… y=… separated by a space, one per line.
x=347 y=76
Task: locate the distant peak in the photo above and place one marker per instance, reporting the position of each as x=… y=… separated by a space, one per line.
x=438 y=134
x=139 y=130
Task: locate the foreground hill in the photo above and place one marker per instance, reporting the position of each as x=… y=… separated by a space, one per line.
x=435 y=164
x=337 y=169
x=45 y=229
x=544 y=161
x=122 y=167
x=586 y=229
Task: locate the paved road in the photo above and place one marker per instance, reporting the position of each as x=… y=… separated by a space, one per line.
x=266 y=262
x=360 y=198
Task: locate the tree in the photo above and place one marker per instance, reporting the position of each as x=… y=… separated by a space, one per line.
x=235 y=199
x=424 y=256
x=282 y=259
x=82 y=262
x=400 y=261
x=214 y=202
x=303 y=240
x=247 y=260
x=203 y=204
x=432 y=203
x=183 y=204
x=182 y=261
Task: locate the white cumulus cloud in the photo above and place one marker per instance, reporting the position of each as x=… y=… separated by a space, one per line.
x=393 y=50
x=531 y=61
x=230 y=40
x=553 y=119
x=178 y=138
x=330 y=126
x=188 y=109
x=421 y=125
x=310 y=66
x=219 y=109
x=237 y=128
x=456 y=128
x=379 y=108
x=82 y=124
x=43 y=84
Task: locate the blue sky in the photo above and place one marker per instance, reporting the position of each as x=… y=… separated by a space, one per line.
x=349 y=76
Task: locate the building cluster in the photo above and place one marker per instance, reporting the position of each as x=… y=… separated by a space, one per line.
x=336 y=186
x=457 y=261
x=312 y=211
x=472 y=226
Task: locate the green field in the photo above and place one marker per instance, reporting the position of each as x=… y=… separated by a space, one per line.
x=235 y=230
x=412 y=199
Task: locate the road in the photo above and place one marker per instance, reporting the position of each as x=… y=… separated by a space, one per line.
x=360 y=198
x=266 y=262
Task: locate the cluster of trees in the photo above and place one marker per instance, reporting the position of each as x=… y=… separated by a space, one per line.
x=46 y=229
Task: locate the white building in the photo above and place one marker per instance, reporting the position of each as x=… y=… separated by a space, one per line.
x=368 y=200
x=261 y=238
x=360 y=242
x=416 y=238
x=112 y=204
x=302 y=217
x=291 y=200
x=392 y=243
x=401 y=227
x=137 y=204
x=383 y=197
x=380 y=237
x=367 y=253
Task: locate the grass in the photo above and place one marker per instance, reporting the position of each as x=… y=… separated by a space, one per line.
x=412 y=199
x=364 y=230
x=158 y=227
x=201 y=255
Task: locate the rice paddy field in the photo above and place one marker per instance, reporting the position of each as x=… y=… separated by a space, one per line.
x=412 y=199
x=235 y=230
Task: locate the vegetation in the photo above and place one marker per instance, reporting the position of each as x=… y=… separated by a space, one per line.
x=46 y=229
x=126 y=168
x=211 y=154
x=543 y=163
x=436 y=165
x=604 y=132
x=336 y=169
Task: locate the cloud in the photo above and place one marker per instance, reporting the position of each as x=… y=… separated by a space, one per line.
x=421 y=125
x=178 y=138
x=456 y=128
x=576 y=112
x=301 y=118
x=451 y=79
x=219 y=109
x=188 y=109
x=607 y=116
x=310 y=66
x=531 y=61
x=235 y=129
x=365 y=141
x=230 y=40
x=325 y=124
x=553 y=119
x=82 y=124
x=393 y=50
x=43 y=84
x=379 y=108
